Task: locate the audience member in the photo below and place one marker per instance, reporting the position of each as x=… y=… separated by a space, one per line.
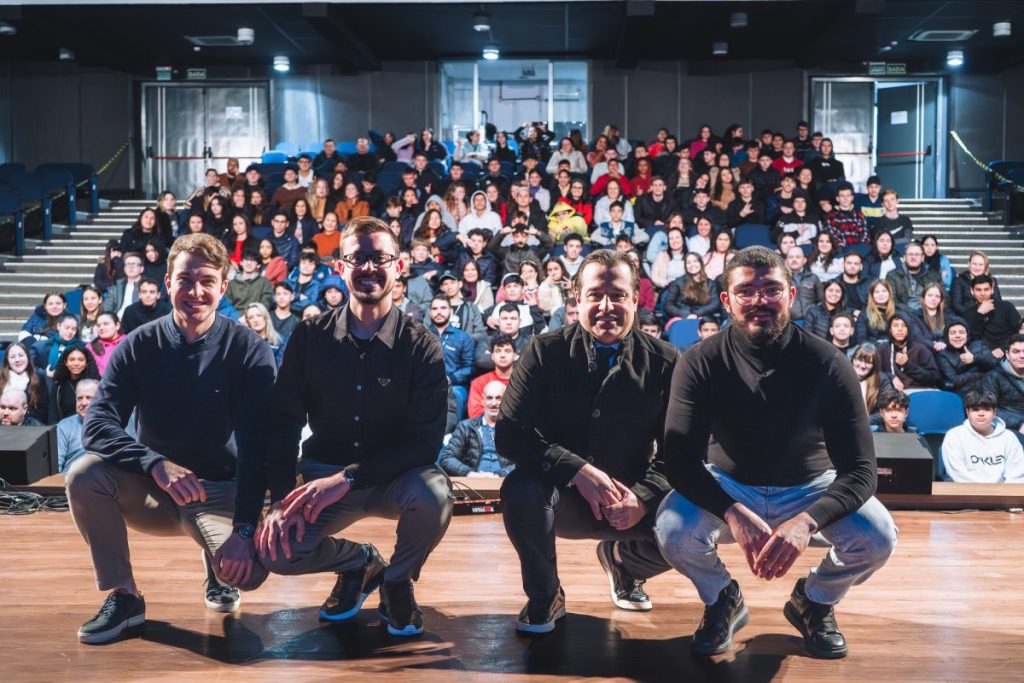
x=471 y=451
x=14 y=409
x=1006 y=382
x=43 y=321
x=18 y=372
x=108 y=337
x=910 y=282
x=981 y=450
x=148 y=308
x=69 y=430
x=845 y=221
x=47 y=352
x=256 y=317
x=990 y=319
x=867 y=363
x=248 y=286
x=911 y=363
x=75 y=364
x=125 y=291
x=961 y=298
x=963 y=362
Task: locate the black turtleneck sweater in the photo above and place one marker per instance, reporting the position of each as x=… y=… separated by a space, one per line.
x=776 y=416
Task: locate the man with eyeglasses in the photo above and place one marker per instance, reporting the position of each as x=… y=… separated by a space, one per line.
x=790 y=454
x=125 y=291
x=346 y=373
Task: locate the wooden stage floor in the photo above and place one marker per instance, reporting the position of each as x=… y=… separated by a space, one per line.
x=947 y=607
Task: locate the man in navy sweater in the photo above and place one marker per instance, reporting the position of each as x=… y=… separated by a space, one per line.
x=198 y=385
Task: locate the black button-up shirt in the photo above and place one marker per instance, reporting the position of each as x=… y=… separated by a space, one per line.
x=376 y=407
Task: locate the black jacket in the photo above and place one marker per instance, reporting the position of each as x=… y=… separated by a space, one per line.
x=996 y=326
x=920 y=371
x=557 y=416
x=735 y=206
x=808 y=292
x=856 y=294
x=960 y=298
x=1009 y=390
x=817 y=319
x=676 y=306
x=647 y=211
x=461 y=455
x=960 y=377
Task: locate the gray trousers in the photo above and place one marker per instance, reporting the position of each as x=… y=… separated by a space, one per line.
x=862 y=541
x=105 y=500
x=420 y=499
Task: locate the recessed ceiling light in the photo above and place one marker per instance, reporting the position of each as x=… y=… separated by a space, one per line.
x=246 y=36
x=282 y=64
x=491 y=53
x=481 y=22
x=955 y=58
x=720 y=49
x=65 y=55
x=7 y=29
x=1002 y=29
x=738 y=20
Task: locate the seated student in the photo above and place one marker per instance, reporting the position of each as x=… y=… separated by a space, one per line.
x=305 y=281
x=826 y=259
x=707 y=328
x=281 y=317
x=873 y=323
x=841 y=331
x=564 y=222
x=422 y=264
x=609 y=231
x=47 y=352
x=149 y=307
x=513 y=289
x=1006 y=382
x=332 y=293
x=981 y=450
x=109 y=337
x=510 y=325
x=891 y=220
x=458 y=348
x=963 y=362
x=69 y=430
x=990 y=319
x=845 y=221
x=43 y=321
x=75 y=365
x=818 y=317
x=14 y=409
x=870 y=204
x=867 y=363
x=474 y=248
x=256 y=317
x=808 y=286
x=403 y=303
x=802 y=222
x=568 y=314
x=853 y=283
x=961 y=299
x=471 y=451
x=693 y=295
x=648 y=324
x=18 y=372
x=503 y=356
x=893 y=409
x=911 y=363
x=248 y=286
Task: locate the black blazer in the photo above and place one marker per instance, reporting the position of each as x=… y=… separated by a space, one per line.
x=556 y=416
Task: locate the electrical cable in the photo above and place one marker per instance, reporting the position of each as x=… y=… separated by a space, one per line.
x=25 y=503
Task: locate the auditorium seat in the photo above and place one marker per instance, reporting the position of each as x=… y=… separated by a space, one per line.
x=313 y=148
x=388 y=181
x=753 y=235
x=861 y=249
x=394 y=167
x=933 y=413
x=347 y=148
x=274 y=158
x=472 y=169
x=683 y=333
x=438 y=168
x=289 y=148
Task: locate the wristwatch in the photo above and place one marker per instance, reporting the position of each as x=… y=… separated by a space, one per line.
x=246 y=531
x=348 y=478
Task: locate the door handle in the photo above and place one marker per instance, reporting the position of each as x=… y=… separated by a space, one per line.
x=149 y=152
x=928 y=151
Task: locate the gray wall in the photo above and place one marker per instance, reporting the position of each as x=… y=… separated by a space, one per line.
x=64 y=112
x=51 y=112
x=988 y=114
x=683 y=95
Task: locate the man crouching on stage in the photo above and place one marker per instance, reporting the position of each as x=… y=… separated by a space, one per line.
x=581 y=418
x=198 y=385
x=790 y=454
x=371 y=383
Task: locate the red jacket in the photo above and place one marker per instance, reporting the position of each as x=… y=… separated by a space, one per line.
x=597 y=189
x=784 y=167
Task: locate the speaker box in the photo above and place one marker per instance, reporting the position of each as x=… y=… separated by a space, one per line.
x=27 y=454
x=904 y=464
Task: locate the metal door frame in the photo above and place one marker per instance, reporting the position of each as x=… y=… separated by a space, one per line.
x=941 y=116
x=202 y=84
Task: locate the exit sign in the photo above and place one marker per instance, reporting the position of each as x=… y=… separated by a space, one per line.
x=196 y=74
x=887 y=68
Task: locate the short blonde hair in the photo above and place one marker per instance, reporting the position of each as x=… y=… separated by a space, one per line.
x=205 y=246
x=367 y=225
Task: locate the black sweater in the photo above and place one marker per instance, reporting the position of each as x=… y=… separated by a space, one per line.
x=199 y=405
x=777 y=417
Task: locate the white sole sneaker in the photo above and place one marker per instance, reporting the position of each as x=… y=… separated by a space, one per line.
x=111 y=633
x=223 y=606
x=546 y=627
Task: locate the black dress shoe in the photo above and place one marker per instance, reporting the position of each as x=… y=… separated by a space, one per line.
x=816 y=623
x=721 y=620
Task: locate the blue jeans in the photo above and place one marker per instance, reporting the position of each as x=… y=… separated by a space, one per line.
x=688 y=535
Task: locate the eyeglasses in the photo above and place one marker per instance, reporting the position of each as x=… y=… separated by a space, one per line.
x=378 y=260
x=747 y=295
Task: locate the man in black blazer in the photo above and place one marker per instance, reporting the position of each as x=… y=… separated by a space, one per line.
x=581 y=419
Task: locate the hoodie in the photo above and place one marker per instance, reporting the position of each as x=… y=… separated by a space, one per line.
x=490 y=220
x=571 y=222
x=958 y=376
x=994 y=459
x=920 y=370
x=1008 y=387
x=446 y=216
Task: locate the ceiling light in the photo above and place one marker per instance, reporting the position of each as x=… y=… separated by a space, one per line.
x=720 y=49
x=955 y=58
x=738 y=20
x=246 y=36
x=282 y=64
x=491 y=53
x=481 y=22
x=1001 y=29
x=7 y=29
x=65 y=55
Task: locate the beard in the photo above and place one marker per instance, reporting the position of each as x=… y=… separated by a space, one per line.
x=371 y=299
x=768 y=335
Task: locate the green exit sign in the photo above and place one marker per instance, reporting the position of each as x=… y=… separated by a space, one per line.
x=887 y=68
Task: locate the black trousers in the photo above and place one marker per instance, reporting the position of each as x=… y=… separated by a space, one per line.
x=536 y=511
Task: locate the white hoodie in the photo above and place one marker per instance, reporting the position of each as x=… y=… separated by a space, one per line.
x=490 y=220
x=994 y=459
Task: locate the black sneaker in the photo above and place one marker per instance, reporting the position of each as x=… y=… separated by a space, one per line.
x=721 y=620
x=219 y=597
x=541 y=618
x=353 y=587
x=398 y=609
x=626 y=591
x=816 y=623
x=120 y=612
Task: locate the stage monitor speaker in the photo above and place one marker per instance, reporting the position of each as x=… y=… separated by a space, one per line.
x=27 y=454
x=904 y=464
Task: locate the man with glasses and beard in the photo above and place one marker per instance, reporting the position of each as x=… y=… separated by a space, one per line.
x=371 y=383
x=790 y=454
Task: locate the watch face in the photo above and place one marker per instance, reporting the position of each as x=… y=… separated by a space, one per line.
x=245 y=531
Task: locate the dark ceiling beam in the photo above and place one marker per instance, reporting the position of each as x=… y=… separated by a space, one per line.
x=330 y=23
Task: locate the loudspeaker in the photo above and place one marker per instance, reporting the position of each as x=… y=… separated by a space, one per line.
x=904 y=463
x=27 y=454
